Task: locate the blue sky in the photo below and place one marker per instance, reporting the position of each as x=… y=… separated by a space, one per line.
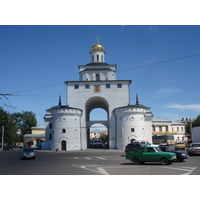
x=162 y=62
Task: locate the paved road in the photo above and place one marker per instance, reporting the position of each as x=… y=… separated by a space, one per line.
x=97 y=162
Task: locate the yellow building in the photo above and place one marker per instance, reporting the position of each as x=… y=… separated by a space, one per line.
x=36 y=137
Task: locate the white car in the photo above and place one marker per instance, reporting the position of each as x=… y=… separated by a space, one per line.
x=193 y=148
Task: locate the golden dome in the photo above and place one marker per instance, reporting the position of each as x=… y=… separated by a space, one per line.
x=97 y=47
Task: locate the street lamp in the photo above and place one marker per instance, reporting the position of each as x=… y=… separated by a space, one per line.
x=2 y=139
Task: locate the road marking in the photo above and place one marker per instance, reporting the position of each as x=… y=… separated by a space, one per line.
x=88 y=158
x=189 y=170
x=101 y=158
x=84 y=167
x=103 y=171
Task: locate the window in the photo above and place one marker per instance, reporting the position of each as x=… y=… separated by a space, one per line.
x=87 y=86
x=76 y=86
x=97 y=77
x=132 y=130
x=64 y=130
x=160 y=128
x=150 y=150
x=50 y=125
x=102 y=58
x=50 y=136
x=107 y=85
x=119 y=85
x=177 y=129
x=97 y=57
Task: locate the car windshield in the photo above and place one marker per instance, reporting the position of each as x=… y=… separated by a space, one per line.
x=28 y=150
x=157 y=149
x=170 y=149
x=167 y=149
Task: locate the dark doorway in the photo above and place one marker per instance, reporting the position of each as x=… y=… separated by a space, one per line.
x=63 y=145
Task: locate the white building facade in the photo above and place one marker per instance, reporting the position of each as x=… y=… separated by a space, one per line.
x=67 y=127
x=168 y=127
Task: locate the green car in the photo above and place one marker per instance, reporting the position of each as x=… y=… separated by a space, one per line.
x=150 y=154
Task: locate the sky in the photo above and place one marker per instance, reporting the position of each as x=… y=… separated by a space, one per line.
x=161 y=60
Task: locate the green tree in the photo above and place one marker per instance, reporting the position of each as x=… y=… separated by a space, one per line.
x=25 y=120
x=104 y=138
x=195 y=123
x=10 y=128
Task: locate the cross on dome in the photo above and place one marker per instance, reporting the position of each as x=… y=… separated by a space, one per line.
x=97 y=46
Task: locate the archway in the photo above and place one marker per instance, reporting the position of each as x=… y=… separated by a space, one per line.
x=99 y=134
x=63 y=145
x=96 y=113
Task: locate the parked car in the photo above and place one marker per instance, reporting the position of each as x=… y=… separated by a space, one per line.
x=180 y=145
x=150 y=154
x=8 y=147
x=193 y=148
x=163 y=144
x=142 y=142
x=136 y=144
x=133 y=146
x=180 y=156
x=96 y=143
x=28 y=152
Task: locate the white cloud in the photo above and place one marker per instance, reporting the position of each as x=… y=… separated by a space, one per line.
x=193 y=107
x=149 y=61
x=169 y=91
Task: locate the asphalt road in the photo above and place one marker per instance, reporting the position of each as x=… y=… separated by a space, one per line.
x=89 y=162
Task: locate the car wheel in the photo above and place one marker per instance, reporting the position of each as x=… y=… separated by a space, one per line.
x=136 y=161
x=165 y=161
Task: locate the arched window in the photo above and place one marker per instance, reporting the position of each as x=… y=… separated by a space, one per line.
x=97 y=57
x=64 y=130
x=92 y=58
x=132 y=130
x=97 y=77
x=102 y=58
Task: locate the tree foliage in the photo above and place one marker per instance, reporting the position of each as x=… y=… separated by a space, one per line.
x=104 y=138
x=13 y=123
x=195 y=123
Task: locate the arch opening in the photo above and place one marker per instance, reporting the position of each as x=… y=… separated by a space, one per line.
x=97 y=116
x=98 y=136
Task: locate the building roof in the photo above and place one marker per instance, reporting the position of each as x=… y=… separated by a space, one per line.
x=60 y=106
x=97 y=64
x=39 y=127
x=156 y=119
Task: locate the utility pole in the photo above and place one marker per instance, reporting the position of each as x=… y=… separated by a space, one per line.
x=2 y=137
x=191 y=127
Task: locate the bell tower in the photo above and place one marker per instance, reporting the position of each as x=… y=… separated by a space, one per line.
x=97 y=52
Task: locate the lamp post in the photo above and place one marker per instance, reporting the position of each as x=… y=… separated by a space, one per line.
x=2 y=139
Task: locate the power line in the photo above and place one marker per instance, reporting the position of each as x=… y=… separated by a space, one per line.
x=38 y=88
x=161 y=62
